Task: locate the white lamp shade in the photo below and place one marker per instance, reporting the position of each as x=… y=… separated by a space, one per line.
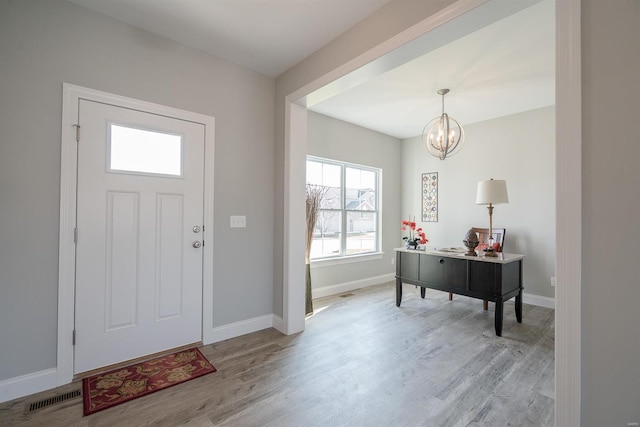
x=492 y=191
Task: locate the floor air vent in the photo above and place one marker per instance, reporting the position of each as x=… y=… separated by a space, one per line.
x=44 y=403
x=347 y=295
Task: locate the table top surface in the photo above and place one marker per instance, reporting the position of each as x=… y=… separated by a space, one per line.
x=501 y=258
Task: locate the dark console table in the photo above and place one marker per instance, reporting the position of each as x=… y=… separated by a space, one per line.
x=491 y=279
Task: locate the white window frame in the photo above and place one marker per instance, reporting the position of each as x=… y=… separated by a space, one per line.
x=360 y=256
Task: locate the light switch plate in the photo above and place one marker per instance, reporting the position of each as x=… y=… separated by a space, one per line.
x=238 y=221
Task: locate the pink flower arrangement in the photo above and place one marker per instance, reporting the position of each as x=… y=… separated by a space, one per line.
x=416 y=235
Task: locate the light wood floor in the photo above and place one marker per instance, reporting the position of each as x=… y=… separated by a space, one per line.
x=361 y=362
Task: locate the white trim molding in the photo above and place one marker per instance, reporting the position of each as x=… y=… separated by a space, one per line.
x=568 y=212
x=68 y=182
x=243 y=327
x=278 y=323
x=25 y=385
x=330 y=262
x=293 y=289
x=538 y=300
x=339 y=288
x=325 y=291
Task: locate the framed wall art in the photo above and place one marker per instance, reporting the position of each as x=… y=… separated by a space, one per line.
x=430 y=197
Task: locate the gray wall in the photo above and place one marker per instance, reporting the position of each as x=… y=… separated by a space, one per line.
x=338 y=140
x=520 y=149
x=611 y=203
x=47 y=42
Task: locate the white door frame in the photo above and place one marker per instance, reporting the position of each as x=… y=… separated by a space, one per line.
x=68 y=184
x=568 y=193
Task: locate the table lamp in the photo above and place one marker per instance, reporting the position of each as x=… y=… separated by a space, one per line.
x=491 y=192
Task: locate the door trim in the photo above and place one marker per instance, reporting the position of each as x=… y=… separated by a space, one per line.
x=72 y=95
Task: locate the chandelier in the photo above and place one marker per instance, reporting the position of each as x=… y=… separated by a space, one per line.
x=443 y=135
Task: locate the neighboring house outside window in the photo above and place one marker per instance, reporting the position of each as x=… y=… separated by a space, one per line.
x=348 y=221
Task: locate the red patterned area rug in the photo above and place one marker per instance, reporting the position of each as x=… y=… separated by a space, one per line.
x=121 y=385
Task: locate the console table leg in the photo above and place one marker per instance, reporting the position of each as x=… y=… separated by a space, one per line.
x=398 y=292
x=498 y=321
x=519 y=307
x=423 y=292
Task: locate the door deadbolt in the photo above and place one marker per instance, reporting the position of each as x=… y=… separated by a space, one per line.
x=196 y=228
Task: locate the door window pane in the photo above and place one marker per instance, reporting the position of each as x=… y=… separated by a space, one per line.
x=144 y=151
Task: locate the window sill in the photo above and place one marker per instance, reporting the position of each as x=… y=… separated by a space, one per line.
x=329 y=262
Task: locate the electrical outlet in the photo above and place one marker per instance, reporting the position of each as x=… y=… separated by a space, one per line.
x=553 y=281
x=238 y=221
x=393 y=260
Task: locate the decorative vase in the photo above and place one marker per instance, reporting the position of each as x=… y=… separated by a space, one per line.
x=471 y=242
x=411 y=244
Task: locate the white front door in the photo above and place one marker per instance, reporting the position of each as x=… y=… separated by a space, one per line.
x=139 y=231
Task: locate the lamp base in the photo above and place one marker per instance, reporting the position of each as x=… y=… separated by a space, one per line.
x=490 y=252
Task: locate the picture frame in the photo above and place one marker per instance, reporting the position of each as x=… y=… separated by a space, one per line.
x=430 y=197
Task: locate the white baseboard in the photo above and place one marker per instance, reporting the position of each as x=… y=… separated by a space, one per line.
x=237 y=329
x=325 y=291
x=278 y=323
x=35 y=382
x=339 y=288
x=538 y=300
x=25 y=385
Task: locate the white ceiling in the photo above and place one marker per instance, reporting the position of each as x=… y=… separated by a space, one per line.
x=268 y=36
x=497 y=60
x=502 y=68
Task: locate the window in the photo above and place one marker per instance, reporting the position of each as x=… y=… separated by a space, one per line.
x=349 y=211
x=144 y=151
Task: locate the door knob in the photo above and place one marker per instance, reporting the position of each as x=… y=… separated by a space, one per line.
x=196 y=244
